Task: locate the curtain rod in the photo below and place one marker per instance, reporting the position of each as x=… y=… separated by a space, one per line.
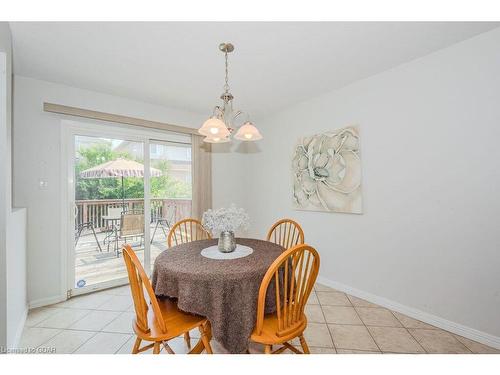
x=103 y=116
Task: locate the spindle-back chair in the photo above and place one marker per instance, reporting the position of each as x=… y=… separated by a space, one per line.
x=291 y=276
x=187 y=230
x=286 y=233
x=160 y=320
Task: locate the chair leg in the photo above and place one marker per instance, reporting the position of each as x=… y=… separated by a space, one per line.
x=204 y=330
x=168 y=348
x=95 y=236
x=156 y=348
x=137 y=344
x=267 y=349
x=163 y=229
x=154 y=232
x=80 y=228
x=187 y=339
x=303 y=343
x=116 y=245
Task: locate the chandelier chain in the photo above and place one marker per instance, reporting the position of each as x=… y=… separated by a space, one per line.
x=219 y=127
x=226 y=85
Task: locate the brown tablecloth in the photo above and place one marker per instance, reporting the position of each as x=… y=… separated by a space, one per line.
x=224 y=291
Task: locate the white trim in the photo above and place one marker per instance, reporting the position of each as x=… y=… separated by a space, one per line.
x=147 y=205
x=70 y=129
x=20 y=328
x=459 y=329
x=99 y=287
x=65 y=206
x=119 y=119
x=46 y=301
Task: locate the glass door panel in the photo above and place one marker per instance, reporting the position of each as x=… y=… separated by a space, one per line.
x=109 y=208
x=170 y=190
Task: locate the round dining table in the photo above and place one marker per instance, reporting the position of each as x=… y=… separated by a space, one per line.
x=225 y=291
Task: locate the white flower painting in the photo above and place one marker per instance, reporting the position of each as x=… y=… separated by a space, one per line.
x=326 y=171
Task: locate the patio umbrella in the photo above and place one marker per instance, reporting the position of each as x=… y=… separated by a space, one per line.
x=119 y=168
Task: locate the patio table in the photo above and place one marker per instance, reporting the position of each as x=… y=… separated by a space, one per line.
x=223 y=290
x=114 y=220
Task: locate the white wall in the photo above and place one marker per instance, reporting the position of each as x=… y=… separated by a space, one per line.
x=429 y=240
x=12 y=223
x=5 y=166
x=17 y=301
x=229 y=174
x=37 y=154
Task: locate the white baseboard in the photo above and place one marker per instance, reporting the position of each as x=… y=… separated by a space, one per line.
x=459 y=329
x=19 y=329
x=46 y=301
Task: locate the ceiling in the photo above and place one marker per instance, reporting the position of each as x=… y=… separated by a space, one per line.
x=178 y=64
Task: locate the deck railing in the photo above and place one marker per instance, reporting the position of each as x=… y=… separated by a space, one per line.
x=93 y=210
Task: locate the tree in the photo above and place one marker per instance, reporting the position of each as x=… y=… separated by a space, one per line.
x=164 y=186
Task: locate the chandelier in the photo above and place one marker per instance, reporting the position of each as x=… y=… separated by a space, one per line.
x=219 y=127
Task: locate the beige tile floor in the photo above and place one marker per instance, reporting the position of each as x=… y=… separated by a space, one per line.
x=338 y=323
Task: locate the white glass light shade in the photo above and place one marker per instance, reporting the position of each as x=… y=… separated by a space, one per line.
x=214 y=127
x=216 y=139
x=248 y=132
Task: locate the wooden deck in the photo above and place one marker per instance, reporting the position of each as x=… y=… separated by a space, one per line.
x=95 y=267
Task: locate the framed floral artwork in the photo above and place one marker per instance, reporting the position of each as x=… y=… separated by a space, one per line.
x=326 y=172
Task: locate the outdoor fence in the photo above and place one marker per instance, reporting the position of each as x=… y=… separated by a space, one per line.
x=93 y=210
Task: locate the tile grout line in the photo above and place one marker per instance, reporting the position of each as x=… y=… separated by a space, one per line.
x=83 y=343
x=120 y=314
x=83 y=316
x=120 y=348
x=46 y=341
x=429 y=329
x=326 y=322
x=407 y=330
x=457 y=340
x=90 y=311
x=454 y=335
x=366 y=327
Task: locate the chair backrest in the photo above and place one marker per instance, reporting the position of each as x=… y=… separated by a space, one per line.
x=115 y=211
x=185 y=231
x=138 y=283
x=132 y=224
x=293 y=274
x=287 y=233
x=169 y=214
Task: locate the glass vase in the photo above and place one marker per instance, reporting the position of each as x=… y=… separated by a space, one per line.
x=227 y=242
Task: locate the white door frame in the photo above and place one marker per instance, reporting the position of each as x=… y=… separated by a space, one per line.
x=70 y=129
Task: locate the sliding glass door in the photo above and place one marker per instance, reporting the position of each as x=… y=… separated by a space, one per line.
x=125 y=187
x=109 y=208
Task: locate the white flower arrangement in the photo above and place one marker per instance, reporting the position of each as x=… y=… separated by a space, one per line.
x=225 y=219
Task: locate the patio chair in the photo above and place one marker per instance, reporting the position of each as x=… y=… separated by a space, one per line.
x=114 y=212
x=87 y=225
x=131 y=225
x=112 y=222
x=165 y=221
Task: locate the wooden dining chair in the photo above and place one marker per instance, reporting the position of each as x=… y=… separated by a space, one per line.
x=292 y=275
x=286 y=233
x=187 y=230
x=161 y=320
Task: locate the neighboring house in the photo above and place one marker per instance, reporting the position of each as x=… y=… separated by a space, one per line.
x=179 y=157
x=83 y=142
